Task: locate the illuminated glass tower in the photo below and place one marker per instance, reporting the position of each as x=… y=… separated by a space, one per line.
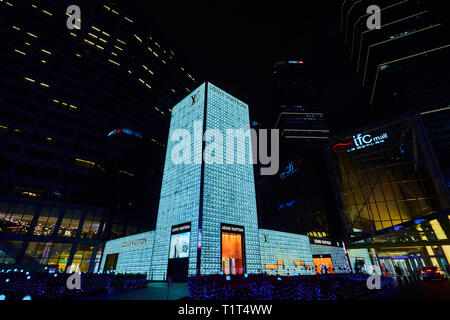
x=207 y=219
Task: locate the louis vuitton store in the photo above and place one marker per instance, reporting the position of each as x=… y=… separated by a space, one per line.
x=282 y=253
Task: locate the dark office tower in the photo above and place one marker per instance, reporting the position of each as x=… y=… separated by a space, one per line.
x=84 y=113
x=297 y=199
x=404 y=65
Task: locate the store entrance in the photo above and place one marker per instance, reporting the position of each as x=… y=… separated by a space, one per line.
x=409 y=261
x=111 y=262
x=178 y=264
x=177 y=269
x=323 y=264
x=233 y=256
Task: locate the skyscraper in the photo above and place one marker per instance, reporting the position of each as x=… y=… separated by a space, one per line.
x=392 y=175
x=298 y=199
x=207 y=220
x=84 y=114
x=403 y=65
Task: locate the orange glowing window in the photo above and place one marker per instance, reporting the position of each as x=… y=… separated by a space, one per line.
x=280 y=262
x=323 y=265
x=271 y=267
x=299 y=263
x=232 y=262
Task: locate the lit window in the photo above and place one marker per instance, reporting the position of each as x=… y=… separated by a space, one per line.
x=114 y=62
x=20 y=52
x=84 y=163
x=126 y=173
x=32 y=35
x=47 y=13
x=271 y=267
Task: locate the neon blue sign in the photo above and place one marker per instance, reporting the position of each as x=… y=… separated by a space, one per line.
x=126 y=131
x=291 y=169
x=287 y=204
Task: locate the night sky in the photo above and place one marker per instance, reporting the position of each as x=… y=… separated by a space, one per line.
x=234 y=46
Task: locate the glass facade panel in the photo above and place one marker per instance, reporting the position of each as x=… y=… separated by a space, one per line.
x=91 y=225
x=82 y=257
x=46 y=222
x=70 y=223
x=390 y=178
x=16 y=217
x=9 y=251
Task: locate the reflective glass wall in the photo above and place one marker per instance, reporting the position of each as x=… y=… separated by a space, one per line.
x=387 y=176
x=37 y=234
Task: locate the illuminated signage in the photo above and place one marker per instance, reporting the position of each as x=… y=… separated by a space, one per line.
x=134 y=242
x=231 y=228
x=325 y=242
x=295 y=61
x=360 y=141
x=287 y=204
x=181 y=228
x=291 y=169
x=125 y=131
x=195 y=98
